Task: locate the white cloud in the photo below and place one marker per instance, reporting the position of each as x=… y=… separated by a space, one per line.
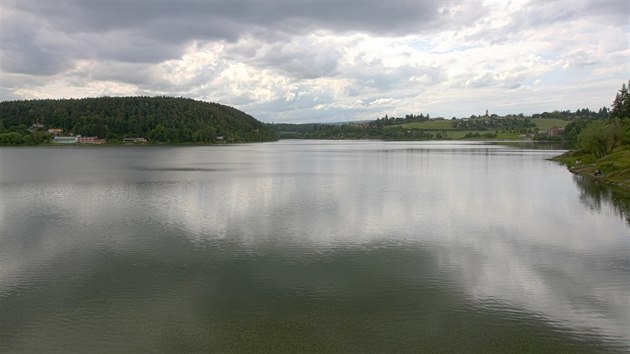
x=293 y=62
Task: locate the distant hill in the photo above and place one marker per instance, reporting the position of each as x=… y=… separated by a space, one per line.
x=420 y=127
x=158 y=119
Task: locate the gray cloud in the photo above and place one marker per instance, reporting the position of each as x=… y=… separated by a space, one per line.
x=31 y=59
x=7 y=94
x=540 y=14
x=279 y=59
x=482 y=80
x=609 y=11
x=25 y=46
x=204 y=19
x=294 y=56
x=153 y=31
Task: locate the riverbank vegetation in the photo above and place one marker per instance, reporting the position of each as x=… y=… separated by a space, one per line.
x=555 y=126
x=156 y=119
x=602 y=148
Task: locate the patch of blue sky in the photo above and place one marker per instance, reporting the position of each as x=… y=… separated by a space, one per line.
x=421 y=44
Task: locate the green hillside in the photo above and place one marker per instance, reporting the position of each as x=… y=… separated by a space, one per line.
x=542 y=124
x=422 y=127
x=158 y=119
x=547 y=123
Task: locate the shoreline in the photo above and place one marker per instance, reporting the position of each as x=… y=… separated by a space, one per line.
x=612 y=172
x=52 y=144
x=280 y=139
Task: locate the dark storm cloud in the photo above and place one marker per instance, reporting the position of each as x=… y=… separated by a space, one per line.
x=154 y=31
x=226 y=19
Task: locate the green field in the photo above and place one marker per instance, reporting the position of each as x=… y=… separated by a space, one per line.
x=452 y=133
x=546 y=123
x=447 y=126
x=541 y=123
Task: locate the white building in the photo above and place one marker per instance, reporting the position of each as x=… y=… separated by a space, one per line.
x=66 y=139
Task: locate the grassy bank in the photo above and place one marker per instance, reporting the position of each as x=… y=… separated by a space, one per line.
x=615 y=167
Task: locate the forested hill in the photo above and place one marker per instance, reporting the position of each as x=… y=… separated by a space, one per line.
x=158 y=119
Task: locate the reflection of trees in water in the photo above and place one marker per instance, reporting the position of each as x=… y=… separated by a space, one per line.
x=593 y=194
x=534 y=145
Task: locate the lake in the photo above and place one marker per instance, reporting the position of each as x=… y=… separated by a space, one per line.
x=302 y=246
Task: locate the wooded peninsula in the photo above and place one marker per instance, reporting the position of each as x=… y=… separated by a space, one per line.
x=117 y=119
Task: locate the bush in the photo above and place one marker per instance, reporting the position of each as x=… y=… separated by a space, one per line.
x=12 y=138
x=598 y=138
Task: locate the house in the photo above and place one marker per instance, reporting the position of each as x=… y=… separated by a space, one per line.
x=65 y=139
x=55 y=131
x=555 y=131
x=36 y=126
x=134 y=141
x=88 y=140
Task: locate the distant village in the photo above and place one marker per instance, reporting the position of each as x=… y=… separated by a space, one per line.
x=61 y=137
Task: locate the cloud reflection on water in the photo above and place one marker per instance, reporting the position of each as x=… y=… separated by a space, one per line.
x=507 y=230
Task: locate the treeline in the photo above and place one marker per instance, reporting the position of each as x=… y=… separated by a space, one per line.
x=409 y=118
x=158 y=119
x=580 y=114
x=353 y=131
x=324 y=131
x=384 y=128
x=523 y=124
x=582 y=118
x=476 y=127
x=578 y=120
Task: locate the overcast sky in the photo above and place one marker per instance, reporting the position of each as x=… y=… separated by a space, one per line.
x=325 y=60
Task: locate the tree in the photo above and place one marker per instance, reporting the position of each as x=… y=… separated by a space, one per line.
x=38 y=137
x=12 y=138
x=620 y=114
x=598 y=139
x=621 y=105
x=158 y=133
x=572 y=132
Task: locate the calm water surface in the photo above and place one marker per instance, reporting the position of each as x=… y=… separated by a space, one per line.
x=309 y=246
